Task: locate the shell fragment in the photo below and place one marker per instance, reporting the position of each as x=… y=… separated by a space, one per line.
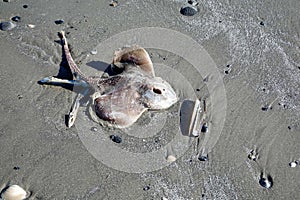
x=194 y=121
x=13 y=192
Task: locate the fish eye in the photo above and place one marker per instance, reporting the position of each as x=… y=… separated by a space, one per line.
x=157 y=91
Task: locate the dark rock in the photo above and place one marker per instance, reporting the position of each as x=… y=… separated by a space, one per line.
x=266 y=182
x=203 y=158
x=59 y=21
x=265 y=108
x=16 y=18
x=7 y=26
x=16 y=168
x=193 y=2
x=204 y=128
x=25 y=6
x=188 y=11
x=147 y=187
x=116 y=139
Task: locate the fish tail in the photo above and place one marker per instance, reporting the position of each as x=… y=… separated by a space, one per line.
x=73 y=67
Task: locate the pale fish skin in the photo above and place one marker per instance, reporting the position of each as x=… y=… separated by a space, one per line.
x=120 y=99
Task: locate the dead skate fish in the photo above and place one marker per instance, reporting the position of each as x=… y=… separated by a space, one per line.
x=119 y=100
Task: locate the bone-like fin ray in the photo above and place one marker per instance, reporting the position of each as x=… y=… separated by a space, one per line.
x=74 y=68
x=74 y=110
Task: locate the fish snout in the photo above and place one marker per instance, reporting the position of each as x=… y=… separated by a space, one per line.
x=161 y=96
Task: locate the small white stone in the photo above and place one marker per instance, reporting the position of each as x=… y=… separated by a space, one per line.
x=94 y=52
x=31 y=25
x=14 y=192
x=94 y=129
x=171 y=158
x=293 y=164
x=195 y=133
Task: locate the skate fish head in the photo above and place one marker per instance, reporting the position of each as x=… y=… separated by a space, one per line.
x=160 y=94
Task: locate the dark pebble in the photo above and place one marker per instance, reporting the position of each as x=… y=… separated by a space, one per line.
x=59 y=21
x=20 y=96
x=204 y=128
x=6 y=1
x=188 y=11
x=7 y=26
x=197 y=89
x=266 y=182
x=193 y=2
x=289 y=127
x=262 y=23
x=114 y=3
x=116 y=139
x=265 y=108
x=228 y=66
x=16 y=18
x=203 y=158
x=25 y=6
x=253 y=155
x=147 y=187
x=16 y=168
x=226 y=72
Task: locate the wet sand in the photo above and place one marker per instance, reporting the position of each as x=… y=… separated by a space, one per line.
x=255 y=47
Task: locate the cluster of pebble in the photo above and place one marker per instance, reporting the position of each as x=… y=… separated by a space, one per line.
x=188 y=10
x=10 y=24
x=266 y=180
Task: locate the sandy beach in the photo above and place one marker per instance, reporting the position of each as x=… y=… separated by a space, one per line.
x=242 y=58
